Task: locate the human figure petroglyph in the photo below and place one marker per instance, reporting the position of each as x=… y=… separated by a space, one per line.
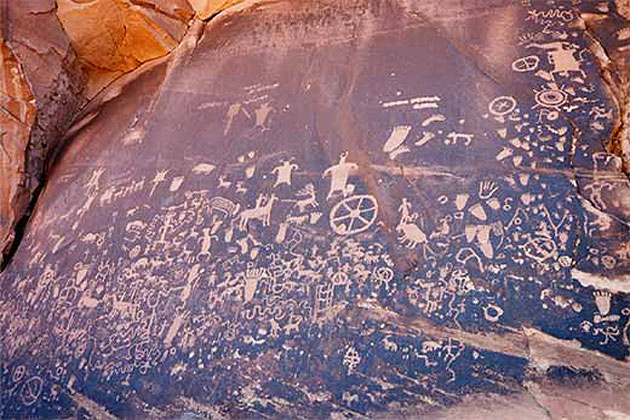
x=561 y=56
x=351 y=359
x=159 y=177
x=411 y=234
x=610 y=333
x=283 y=173
x=208 y=234
x=451 y=353
x=339 y=175
x=92 y=185
x=262 y=114
x=382 y=276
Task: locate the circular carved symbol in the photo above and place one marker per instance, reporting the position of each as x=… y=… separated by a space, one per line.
x=384 y=274
x=502 y=105
x=551 y=98
x=524 y=64
x=31 y=390
x=354 y=214
x=492 y=312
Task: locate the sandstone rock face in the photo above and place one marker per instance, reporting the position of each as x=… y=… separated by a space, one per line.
x=110 y=38
x=334 y=209
x=16 y=121
x=113 y=37
x=42 y=83
x=623 y=7
x=207 y=8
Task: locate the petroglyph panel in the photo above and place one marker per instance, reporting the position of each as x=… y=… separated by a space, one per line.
x=352 y=217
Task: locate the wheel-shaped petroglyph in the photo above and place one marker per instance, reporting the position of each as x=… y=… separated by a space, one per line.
x=354 y=214
x=551 y=98
x=502 y=105
x=525 y=64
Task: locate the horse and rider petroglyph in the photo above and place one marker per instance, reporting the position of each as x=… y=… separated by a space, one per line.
x=411 y=235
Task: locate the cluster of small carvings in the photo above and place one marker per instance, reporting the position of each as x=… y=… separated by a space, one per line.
x=453 y=250
x=109 y=38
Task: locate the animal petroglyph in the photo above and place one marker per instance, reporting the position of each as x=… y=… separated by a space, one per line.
x=260 y=212
x=406 y=228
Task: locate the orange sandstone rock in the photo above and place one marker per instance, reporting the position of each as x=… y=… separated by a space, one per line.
x=16 y=120
x=112 y=37
x=40 y=92
x=207 y=8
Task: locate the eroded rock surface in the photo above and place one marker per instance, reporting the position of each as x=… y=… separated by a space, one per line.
x=41 y=93
x=113 y=37
x=205 y=9
x=336 y=209
x=16 y=120
x=62 y=53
